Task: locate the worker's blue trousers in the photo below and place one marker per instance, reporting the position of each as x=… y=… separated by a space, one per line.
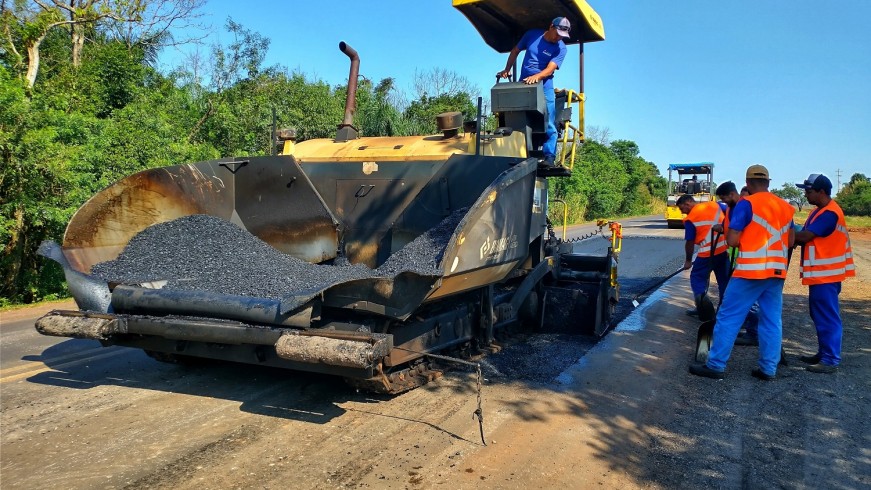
x=740 y=295
x=700 y=275
x=549 y=146
x=823 y=302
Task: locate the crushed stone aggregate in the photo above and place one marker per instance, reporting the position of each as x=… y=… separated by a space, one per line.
x=207 y=253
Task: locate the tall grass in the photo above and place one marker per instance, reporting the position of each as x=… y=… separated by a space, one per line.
x=657 y=206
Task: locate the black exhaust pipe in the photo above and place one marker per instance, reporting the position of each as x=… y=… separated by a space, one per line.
x=347 y=131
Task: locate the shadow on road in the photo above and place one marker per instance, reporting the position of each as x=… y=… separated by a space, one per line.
x=260 y=390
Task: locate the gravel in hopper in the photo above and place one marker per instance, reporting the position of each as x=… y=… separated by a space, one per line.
x=423 y=254
x=206 y=253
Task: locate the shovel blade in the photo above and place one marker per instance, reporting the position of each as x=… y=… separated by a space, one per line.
x=703 y=340
x=705 y=307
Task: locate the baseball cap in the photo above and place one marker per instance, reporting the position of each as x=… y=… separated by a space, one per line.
x=757 y=172
x=726 y=188
x=563 y=26
x=817 y=182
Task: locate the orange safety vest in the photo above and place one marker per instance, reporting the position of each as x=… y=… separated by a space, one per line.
x=762 y=248
x=704 y=215
x=828 y=259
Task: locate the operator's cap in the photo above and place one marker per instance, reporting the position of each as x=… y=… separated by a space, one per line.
x=817 y=182
x=563 y=26
x=757 y=172
x=726 y=188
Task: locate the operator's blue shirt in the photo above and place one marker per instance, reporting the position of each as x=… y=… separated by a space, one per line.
x=690 y=228
x=540 y=52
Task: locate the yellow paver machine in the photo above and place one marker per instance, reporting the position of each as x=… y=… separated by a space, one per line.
x=362 y=257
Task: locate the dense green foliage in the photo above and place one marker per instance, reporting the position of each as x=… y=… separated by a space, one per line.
x=855 y=197
x=81 y=126
x=608 y=181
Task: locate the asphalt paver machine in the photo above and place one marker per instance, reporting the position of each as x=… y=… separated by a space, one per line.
x=362 y=257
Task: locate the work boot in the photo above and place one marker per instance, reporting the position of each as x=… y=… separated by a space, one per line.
x=814 y=359
x=692 y=312
x=706 y=372
x=821 y=368
x=759 y=374
x=547 y=161
x=744 y=339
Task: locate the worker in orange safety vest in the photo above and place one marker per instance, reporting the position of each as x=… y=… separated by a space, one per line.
x=761 y=227
x=728 y=194
x=826 y=260
x=699 y=236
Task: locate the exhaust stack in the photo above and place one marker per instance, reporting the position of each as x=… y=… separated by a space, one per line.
x=346 y=130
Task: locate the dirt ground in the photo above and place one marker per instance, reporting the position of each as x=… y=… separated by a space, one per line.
x=627 y=415
x=632 y=417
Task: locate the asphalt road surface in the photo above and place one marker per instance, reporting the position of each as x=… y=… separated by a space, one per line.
x=77 y=415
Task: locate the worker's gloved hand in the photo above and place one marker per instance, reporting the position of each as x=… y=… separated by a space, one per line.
x=717 y=228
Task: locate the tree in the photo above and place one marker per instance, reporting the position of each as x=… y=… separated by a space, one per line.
x=25 y=24
x=234 y=85
x=598 y=182
x=156 y=21
x=601 y=135
x=791 y=194
x=437 y=91
x=377 y=114
x=439 y=81
x=421 y=114
x=855 y=197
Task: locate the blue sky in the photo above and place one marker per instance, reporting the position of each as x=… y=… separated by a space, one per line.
x=785 y=83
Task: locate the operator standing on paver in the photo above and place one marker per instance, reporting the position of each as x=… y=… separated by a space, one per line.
x=545 y=52
x=699 y=236
x=761 y=228
x=826 y=260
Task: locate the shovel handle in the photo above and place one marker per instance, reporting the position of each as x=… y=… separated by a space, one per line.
x=658 y=283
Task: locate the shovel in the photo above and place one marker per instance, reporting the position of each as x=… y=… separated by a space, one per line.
x=707 y=313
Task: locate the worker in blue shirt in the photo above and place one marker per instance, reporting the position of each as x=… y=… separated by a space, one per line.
x=545 y=52
x=761 y=227
x=827 y=259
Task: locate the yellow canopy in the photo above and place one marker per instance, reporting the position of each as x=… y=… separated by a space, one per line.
x=503 y=22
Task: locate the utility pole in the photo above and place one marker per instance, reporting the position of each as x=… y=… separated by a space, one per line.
x=838 y=173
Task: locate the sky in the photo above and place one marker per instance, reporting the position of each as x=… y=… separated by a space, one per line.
x=784 y=83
